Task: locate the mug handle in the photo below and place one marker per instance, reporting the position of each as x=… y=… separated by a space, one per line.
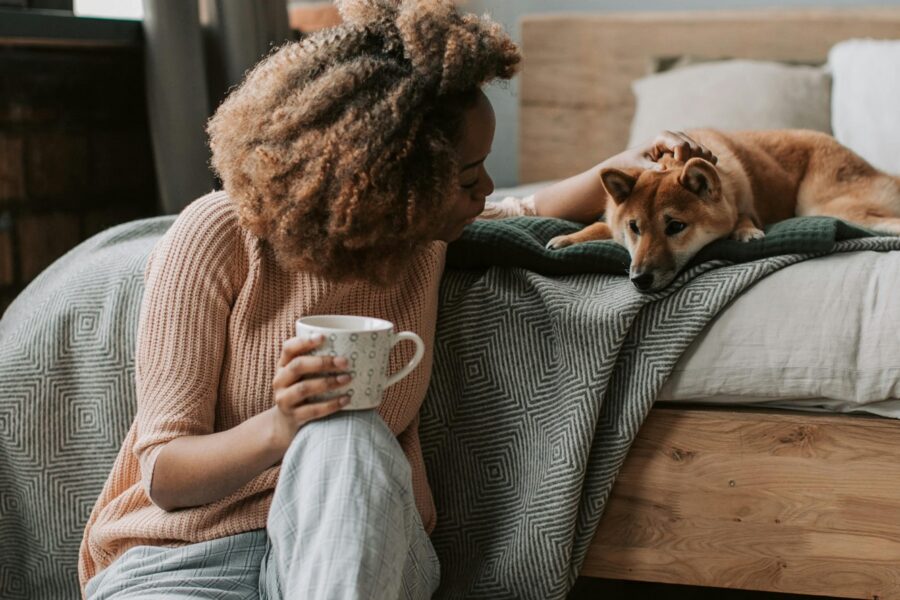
x=413 y=363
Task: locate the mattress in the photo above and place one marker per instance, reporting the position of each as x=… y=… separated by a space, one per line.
x=823 y=335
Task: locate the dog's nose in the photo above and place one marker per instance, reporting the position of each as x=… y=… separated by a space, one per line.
x=643 y=282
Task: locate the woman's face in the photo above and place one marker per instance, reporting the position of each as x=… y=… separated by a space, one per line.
x=474 y=182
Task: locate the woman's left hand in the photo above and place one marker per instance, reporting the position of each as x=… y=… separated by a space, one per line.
x=677 y=143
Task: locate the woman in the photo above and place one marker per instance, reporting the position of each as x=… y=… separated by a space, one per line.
x=348 y=161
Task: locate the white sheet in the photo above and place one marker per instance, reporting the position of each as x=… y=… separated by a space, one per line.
x=823 y=334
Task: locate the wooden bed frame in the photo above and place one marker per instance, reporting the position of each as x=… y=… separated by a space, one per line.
x=739 y=498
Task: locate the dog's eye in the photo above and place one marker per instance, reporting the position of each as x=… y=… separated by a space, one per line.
x=673 y=227
x=634 y=227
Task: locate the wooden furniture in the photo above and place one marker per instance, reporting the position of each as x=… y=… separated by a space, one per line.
x=313 y=16
x=775 y=500
x=741 y=498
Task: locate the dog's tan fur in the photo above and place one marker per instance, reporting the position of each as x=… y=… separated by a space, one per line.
x=761 y=177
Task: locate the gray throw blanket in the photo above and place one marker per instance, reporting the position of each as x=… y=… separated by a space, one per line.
x=540 y=385
x=67 y=399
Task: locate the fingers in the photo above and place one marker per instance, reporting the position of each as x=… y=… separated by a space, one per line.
x=682 y=147
x=657 y=148
x=310 y=412
x=306 y=365
x=296 y=346
x=293 y=396
x=299 y=377
x=667 y=142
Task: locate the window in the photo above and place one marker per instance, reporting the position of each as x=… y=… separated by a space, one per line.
x=110 y=9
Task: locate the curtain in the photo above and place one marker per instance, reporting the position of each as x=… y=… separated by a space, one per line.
x=195 y=51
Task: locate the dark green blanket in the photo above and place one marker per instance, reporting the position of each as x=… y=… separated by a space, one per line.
x=520 y=242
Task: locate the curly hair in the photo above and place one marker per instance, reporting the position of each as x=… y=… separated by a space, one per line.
x=339 y=150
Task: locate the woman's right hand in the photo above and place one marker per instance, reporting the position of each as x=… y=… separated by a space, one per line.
x=298 y=378
x=677 y=143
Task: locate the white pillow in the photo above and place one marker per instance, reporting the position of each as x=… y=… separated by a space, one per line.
x=866 y=110
x=732 y=94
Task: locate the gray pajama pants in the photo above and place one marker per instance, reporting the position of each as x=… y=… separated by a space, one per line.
x=343 y=524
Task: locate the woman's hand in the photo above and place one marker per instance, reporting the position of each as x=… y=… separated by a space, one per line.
x=298 y=378
x=199 y=469
x=678 y=144
x=582 y=197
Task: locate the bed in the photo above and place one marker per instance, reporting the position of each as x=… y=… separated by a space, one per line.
x=743 y=497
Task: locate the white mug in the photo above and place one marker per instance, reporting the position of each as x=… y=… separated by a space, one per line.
x=366 y=342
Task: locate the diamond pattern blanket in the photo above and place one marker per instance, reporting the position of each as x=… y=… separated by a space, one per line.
x=540 y=385
x=541 y=382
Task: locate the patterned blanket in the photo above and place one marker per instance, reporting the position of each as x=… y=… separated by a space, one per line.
x=540 y=385
x=67 y=400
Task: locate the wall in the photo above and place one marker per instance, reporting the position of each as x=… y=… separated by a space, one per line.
x=502 y=163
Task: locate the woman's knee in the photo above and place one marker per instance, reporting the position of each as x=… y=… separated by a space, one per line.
x=350 y=435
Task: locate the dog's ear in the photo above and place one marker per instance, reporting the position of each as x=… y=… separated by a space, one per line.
x=618 y=184
x=700 y=177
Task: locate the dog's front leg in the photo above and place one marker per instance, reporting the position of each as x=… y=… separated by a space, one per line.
x=745 y=230
x=594 y=231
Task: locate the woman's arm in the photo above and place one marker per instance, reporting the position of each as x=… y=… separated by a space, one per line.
x=192 y=279
x=199 y=469
x=195 y=470
x=582 y=197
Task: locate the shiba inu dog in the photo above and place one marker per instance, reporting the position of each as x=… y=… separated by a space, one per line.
x=665 y=215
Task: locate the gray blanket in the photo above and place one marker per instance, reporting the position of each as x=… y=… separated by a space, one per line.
x=67 y=400
x=540 y=385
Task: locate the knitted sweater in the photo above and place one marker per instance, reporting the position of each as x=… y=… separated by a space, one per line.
x=217 y=307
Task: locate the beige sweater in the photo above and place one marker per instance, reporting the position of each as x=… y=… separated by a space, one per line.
x=216 y=310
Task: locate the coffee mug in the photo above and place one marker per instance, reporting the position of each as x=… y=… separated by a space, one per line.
x=366 y=342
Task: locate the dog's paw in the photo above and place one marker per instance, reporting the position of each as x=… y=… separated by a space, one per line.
x=559 y=242
x=746 y=234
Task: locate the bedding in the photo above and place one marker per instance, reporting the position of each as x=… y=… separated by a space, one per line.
x=540 y=384
x=688 y=509
x=66 y=402
x=732 y=94
x=520 y=242
x=864 y=111
x=824 y=333
x=837 y=355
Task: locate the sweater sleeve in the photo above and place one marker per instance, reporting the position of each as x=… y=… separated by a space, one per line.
x=189 y=291
x=509 y=207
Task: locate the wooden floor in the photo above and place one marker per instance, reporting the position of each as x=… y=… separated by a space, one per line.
x=605 y=589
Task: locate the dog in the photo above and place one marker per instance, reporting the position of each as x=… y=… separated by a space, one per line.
x=665 y=215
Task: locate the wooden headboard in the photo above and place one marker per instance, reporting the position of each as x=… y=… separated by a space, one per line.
x=576 y=102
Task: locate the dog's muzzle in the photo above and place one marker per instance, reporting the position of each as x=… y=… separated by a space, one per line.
x=643 y=282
